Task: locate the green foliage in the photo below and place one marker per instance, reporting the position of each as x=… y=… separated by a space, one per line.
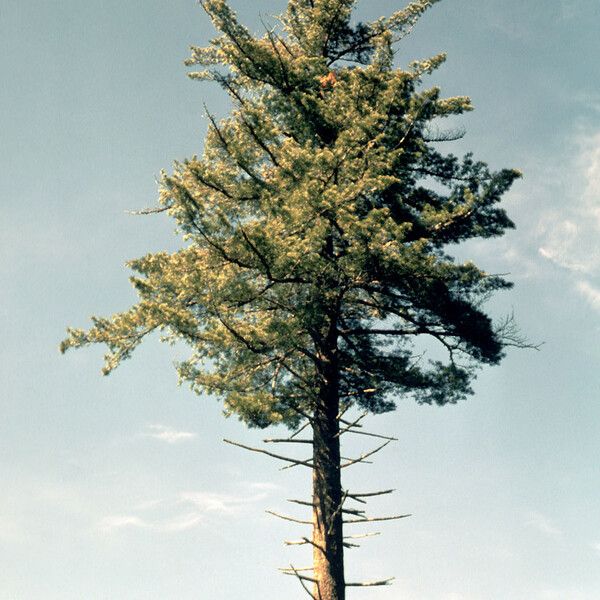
x=312 y=234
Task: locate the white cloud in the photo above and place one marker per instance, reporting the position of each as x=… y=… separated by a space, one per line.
x=116 y=522
x=543 y=524
x=596 y=546
x=562 y=246
x=264 y=486
x=570 y=236
x=168 y=434
x=209 y=502
x=182 y=523
x=187 y=510
x=590 y=293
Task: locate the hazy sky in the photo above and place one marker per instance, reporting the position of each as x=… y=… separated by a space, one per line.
x=120 y=488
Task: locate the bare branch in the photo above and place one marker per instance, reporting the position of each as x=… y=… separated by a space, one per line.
x=302 y=502
x=315 y=545
x=310 y=461
x=351 y=424
x=303 y=542
x=375 y=435
x=336 y=512
x=370 y=494
x=286 y=441
x=260 y=451
x=510 y=336
x=286 y=518
x=343 y=412
x=371 y=583
x=302 y=579
x=361 y=535
x=351 y=511
x=362 y=457
x=376 y=519
x=300 y=430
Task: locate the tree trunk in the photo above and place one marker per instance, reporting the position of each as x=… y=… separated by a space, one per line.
x=328 y=542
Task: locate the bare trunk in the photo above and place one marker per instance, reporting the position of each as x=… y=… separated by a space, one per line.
x=328 y=542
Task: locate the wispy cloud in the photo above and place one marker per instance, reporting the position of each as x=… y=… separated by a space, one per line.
x=543 y=524
x=590 y=293
x=186 y=510
x=570 y=236
x=168 y=434
x=116 y=522
x=264 y=486
x=181 y=522
x=227 y=504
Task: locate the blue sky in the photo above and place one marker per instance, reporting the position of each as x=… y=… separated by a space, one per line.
x=120 y=488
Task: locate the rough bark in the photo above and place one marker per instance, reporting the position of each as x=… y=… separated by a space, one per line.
x=328 y=542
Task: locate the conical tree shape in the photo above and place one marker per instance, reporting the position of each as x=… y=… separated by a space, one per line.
x=315 y=250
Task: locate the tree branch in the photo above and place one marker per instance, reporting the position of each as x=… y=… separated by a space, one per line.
x=371 y=583
x=260 y=451
x=363 y=456
x=377 y=519
x=286 y=441
x=302 y=579
x=286 y=518
x=370 y=494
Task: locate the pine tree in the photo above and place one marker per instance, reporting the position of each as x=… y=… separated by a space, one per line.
x=317 y=223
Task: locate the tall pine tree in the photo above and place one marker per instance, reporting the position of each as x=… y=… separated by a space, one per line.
x=317 y=223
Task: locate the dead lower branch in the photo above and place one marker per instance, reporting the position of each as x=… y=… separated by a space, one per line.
x=300 y=430
x=354 y=496
x=310 y=461
x=361 y=535
x=362 y=457
x=375 y=519
x=286 y=441
x=301 y=502
x=375 y=435
x=294 y=461
x=286 y=518
x=302 y=542
x=302 y=579
x=350 y=424
x=371 y=583
x=336 y=512
x=351 y=511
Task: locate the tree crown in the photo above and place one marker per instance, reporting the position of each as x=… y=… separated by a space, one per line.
x=317 y=222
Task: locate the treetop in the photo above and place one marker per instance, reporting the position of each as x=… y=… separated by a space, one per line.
x=317 y=222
